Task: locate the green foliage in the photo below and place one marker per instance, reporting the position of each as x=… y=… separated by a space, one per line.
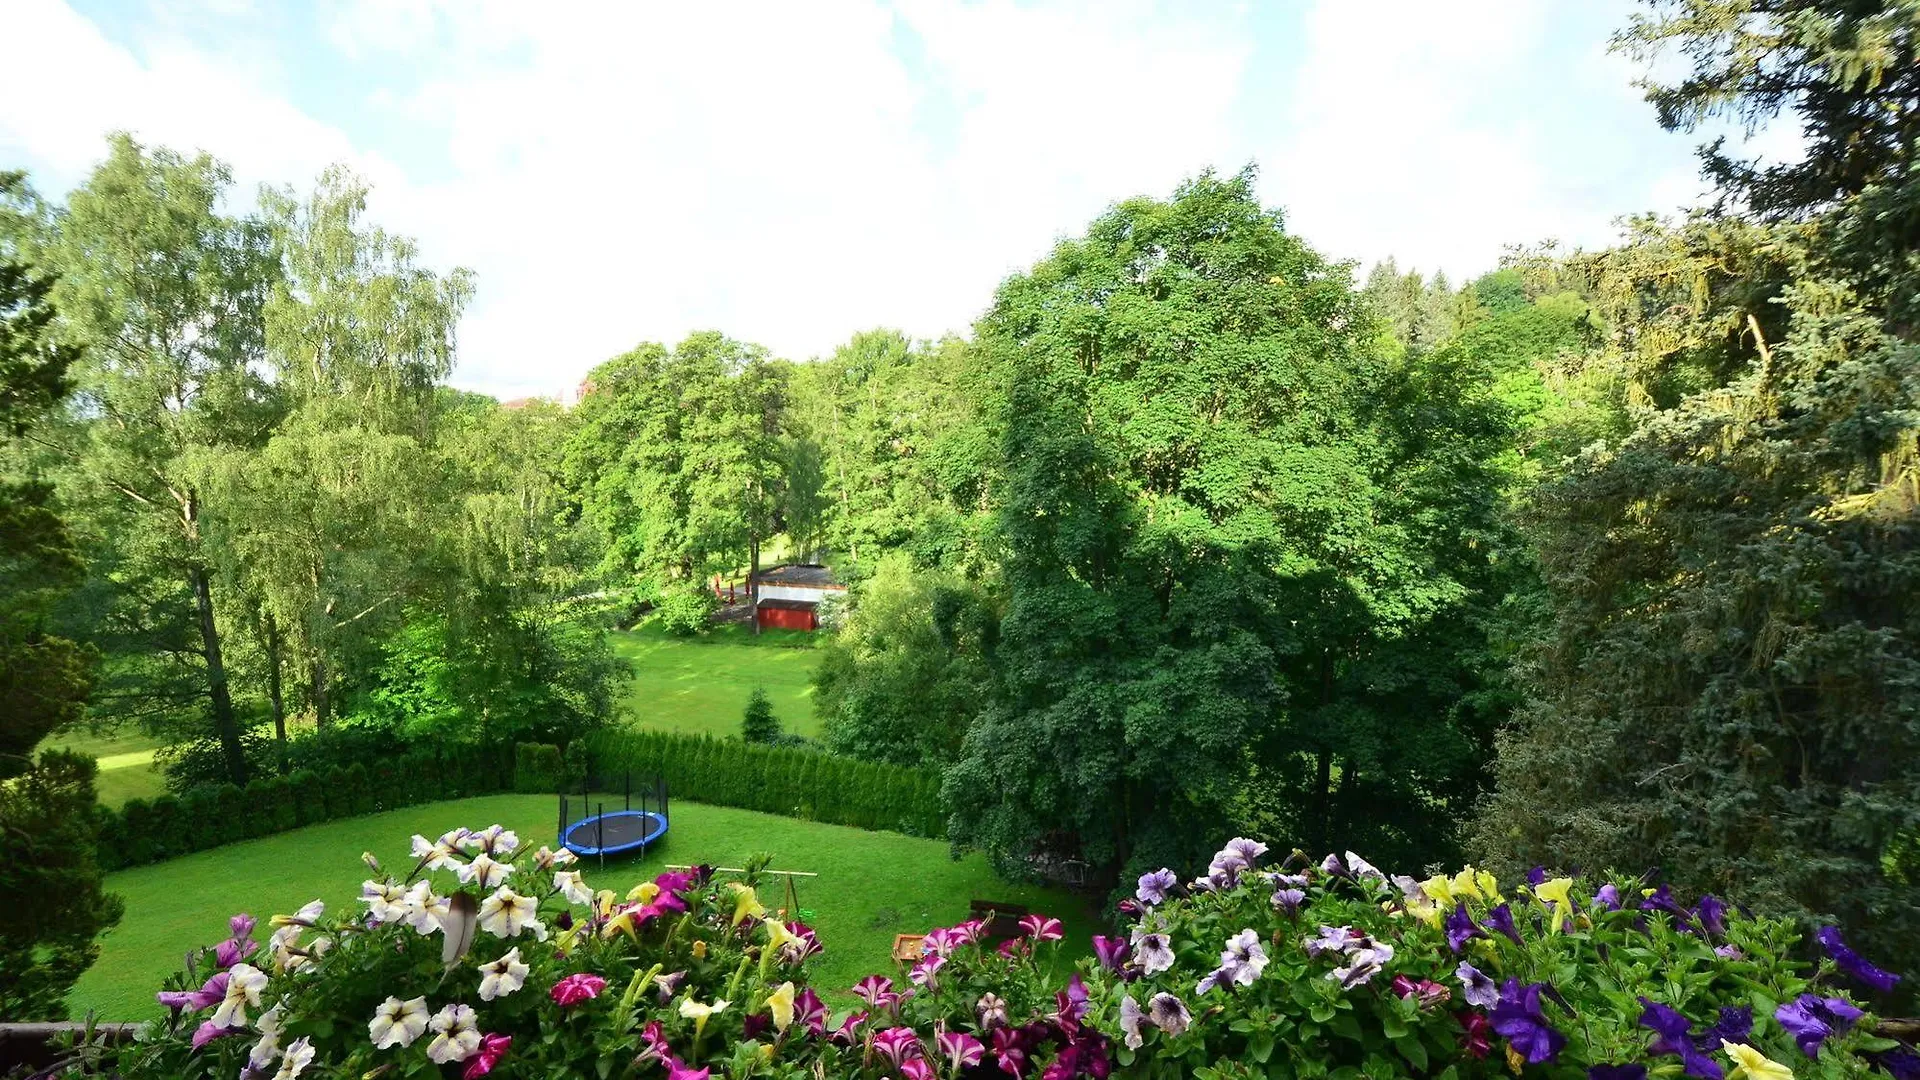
x=758 y=724
x=538 y=768
x=685 y=610
x=907 y=671
x=56 y=907
x=1242 y=549
x=783 y=780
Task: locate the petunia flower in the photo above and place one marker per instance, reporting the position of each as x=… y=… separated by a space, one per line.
x=297 y=1057
x=1518 y=1018
x=1500 y=921
x=678 y=1070
x=455 y=1038
x=1243 y=959
x=501 y=977
x=1555 y=892
x=441 y=854
x=1332 y=867
x=1217 y=979
x=1111 y=952
x=576 y=988
x=1756 y=1065
x=746 y=903
x=1131 y=1017
x=780 y=1006
x=1460 y=927
x=1169 y=1014
x=991 y=1010
x=1154 y=888
x=810 y=1012
x=1674 y=1035
x=917 y=1069
x=1475 y=1035
x=308 y=915
x=268 y=1048
x=1478 y=989
x=960 y=1050
x=492 y=1049
x=1852 y=962
x=385 y=902
x=1328 y=939
x=506 y=914
x=926 y=971
x=877 y=991
x=397 y=1023
x=244 y=983
x=1810 y=1019
x=1042 y=928
x=1154 y=951
x=1617 y=1072
x=568 y=883
x=426 y=912
x=1363 y=870
x=1288 y=901
x=700 y=1013
x=1246 y=851
x=232 y=951
x=483 y=872
x=241 y=925
x=898 y=1044
x=1711 y=914
x=494 y=839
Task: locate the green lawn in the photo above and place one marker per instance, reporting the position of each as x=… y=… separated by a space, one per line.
x=872 y=885
x=700 y=685
x=126 y=763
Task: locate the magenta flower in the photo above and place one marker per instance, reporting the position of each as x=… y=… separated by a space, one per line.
x=211 y=993
x=1013 y=1048
x=969 y=932
x=877 y=991
x=207 y=1032
x=847 y=1034
x=940 y=941
x=808 y=944
x=898 y=1044
x=960 y=1049
x=653 y=1044
x=810 y=1011
x=924 y=972
x=241 y=925
x=917 y=1069
x=1110 y=951
x=1071 y=1004
x=674 y=881
x=577 y=988
x=1852 y=962
x=1042 y=928
x=1013 y=947
x=232 y=951
x=492 y=1049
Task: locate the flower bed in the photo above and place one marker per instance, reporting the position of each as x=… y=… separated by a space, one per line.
x=488 y=959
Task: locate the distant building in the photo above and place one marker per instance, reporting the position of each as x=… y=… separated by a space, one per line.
x=790 y=596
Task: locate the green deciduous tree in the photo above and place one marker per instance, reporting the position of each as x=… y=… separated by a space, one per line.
x=1242 y=545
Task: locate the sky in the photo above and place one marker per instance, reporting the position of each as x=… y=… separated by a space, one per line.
x=791 y=173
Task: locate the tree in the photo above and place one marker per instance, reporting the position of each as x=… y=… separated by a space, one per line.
x=56 y=908
x=1728 y=691
x=907 y=671
x=758 y=724
x=163 y=295
x=1241 y=544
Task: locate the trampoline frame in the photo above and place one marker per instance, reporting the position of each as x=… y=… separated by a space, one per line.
x=653 y=805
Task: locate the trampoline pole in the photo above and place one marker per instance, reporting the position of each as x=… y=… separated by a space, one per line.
x=626 y=781
x=600 y=832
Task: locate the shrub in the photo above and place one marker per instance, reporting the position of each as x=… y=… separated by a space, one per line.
x=1296 y=970
x=309 y=796
x=537 y=768
x=55 y=907
x=759 y=725
x=684 y=611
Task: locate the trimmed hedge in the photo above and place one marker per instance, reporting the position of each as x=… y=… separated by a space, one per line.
x=792 y=782
x=209 y=815
x=537 y=768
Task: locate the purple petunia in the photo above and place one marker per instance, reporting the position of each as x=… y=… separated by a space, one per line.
x=1500 y=921
x=898 y=1044
x=1330 y=939
x=1155 y=887
x=1169 y=1014
x=1288 y=901
x=1711 y=914
x=1517 y=1018
x=1810 y=1019
x=1111 y=951
x=1479 y=989
x=1460 y=927
x=1608 y=897
x=1852 y=962
x=1616 y=1072
x=1154 y=951
x=1735 y=1025
x=1673 y=1035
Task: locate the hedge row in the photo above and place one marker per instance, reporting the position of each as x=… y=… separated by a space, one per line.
x=208 y=815
x=792 y=782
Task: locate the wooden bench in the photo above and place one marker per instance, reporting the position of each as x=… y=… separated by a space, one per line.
x=1002 y=919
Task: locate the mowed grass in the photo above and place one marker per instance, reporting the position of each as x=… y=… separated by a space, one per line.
x=871 y=886
x=126 y=763
x=700 y=685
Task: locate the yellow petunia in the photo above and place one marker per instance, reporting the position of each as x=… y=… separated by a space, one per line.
x=1755 y=1064
x=644 y=892
x=1440 y=889
x=780 y=1004
x=746 y=903
x=699 y=949
x=1555 y=891
x=700 y=1013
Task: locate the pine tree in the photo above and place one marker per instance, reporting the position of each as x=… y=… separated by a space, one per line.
x=759 y=725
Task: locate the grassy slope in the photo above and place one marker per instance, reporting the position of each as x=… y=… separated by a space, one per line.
x=701 y=685
x=126 y=763
x=871 y=886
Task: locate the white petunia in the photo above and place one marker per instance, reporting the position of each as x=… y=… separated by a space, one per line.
x=455 y=1036
x=297 y=1058
x=268 y=1047
x=424 y=909
x=386 y=903
x=483 y=871
x=244 y=983
x=572 y=887
x=506 y=913
x=397 y=1023
x=546 y=858
x=306 y=916
x=436 y=854
x=503 y=976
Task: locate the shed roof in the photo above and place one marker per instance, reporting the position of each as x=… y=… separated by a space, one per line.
x=803 y=574
x=790 y=605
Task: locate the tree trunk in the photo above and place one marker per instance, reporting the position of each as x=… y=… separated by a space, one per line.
x=221 y=700
x=317 y=689
x=275 y=697
x=753 y=579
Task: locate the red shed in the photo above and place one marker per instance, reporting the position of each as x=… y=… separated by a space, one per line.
x=787 y=615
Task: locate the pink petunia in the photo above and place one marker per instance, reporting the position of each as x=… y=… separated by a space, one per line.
x=577 y=988
x=1042 y=928
x=492 y=1049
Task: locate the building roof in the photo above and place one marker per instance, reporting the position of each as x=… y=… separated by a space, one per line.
x=800 y=574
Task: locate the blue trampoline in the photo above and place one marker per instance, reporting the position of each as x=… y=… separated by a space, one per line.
x=625 y=828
